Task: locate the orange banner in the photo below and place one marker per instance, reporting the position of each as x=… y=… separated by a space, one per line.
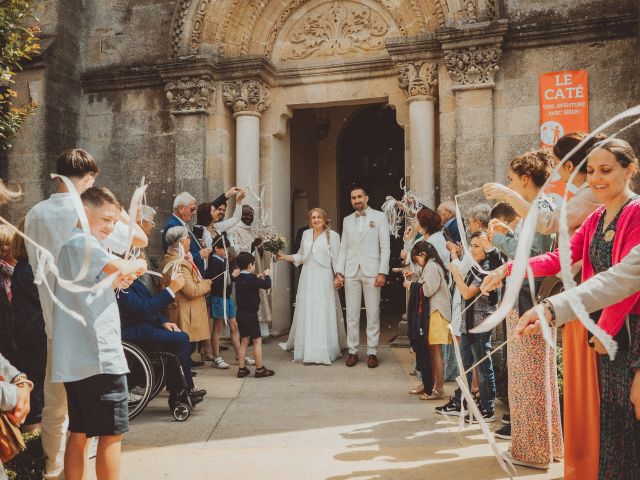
x=564 y=108
x=564 y=105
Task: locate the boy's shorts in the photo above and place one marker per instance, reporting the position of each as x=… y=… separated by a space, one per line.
x=248 y=324
x=217 y=307
x=98 y=405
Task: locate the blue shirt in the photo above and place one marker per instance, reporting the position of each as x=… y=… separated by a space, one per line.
x=82 y=351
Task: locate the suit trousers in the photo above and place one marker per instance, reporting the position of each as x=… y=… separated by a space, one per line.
x=54 y=423
x=354 y=288
x=172 y=342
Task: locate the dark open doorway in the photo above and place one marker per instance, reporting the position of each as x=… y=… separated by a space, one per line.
x=370 y=153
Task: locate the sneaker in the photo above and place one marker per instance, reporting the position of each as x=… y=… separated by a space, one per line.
x=506 y=419
x=264 y=372
x=453 y=408
x=503 y=432
x=488 y=415
x=509 y=458
x=243 y=372
x=219 y=362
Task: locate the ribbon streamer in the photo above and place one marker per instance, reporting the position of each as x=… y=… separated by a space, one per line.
x=461 y=230
x=524 y=245
x=84 y=223
x=136 y=202
x=474 y=412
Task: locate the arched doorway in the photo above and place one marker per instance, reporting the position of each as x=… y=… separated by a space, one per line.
x=370 y=153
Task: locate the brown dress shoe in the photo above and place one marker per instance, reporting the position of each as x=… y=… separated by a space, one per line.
x=352 y=359
x=372 y=361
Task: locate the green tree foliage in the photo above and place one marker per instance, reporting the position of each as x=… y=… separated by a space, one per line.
x=18 y=42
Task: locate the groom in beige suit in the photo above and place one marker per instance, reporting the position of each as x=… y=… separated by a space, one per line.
x=363 y=263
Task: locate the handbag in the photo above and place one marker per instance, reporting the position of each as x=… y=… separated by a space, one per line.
x=11 y=440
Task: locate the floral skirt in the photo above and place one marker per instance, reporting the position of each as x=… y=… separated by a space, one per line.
x=536 y=432
x=619 y=428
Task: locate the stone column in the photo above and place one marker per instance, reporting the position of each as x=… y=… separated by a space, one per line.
x=190 y=100
x=419 y=81
x=472 y=70
x=248 y=99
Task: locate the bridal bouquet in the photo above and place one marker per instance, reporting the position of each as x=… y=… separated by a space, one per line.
x=273 y=241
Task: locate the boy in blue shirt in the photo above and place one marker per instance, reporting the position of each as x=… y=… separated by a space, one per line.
x=221 y=304
x=88 y=358
x=248 y=286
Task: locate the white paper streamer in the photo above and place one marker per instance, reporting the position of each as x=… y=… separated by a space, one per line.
x=84 y=223
x=474 y=412
x=136 y=202
x=526 y=238
x=461 y=231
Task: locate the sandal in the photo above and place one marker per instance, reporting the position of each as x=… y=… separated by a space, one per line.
x=435 y=395
x=417 y=390
x=263 y=372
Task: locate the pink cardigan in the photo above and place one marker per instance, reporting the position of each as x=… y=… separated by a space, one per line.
x=627 y=236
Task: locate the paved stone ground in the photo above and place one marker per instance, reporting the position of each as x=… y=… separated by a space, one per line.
x=310 y=422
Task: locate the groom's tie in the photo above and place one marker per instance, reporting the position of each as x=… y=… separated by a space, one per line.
x=361 y=214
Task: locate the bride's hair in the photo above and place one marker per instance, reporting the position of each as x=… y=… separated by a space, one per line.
x=325 y=217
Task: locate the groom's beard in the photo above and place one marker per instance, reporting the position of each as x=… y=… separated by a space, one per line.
x=359 y=207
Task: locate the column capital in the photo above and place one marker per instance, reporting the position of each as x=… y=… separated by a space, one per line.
x=473 y=67
x=190 y=94
x=246 y=96
x=418 y=79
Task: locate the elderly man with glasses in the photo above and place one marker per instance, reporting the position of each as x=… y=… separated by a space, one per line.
x=184 y=206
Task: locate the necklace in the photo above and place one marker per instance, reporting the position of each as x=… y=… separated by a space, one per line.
x=610 y=234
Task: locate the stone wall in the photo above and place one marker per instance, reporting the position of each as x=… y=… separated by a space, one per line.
x=126 y=32
x=132 y=134
x=517 y=100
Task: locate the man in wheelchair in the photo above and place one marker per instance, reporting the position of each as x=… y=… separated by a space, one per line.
x=142 y=321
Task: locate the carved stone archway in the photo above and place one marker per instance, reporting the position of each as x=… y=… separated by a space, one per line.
x=268 y=57
x=264 y=19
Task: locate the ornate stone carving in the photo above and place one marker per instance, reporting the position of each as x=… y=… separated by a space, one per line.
x=229 y=19
x=473 y=66
x=190 y=95
x=418 y=79
x=337 y=28
x=417 y=11
x=178 y=26
x=464 y=11
x=246 y=96
x=198 y=24
x=282 y=19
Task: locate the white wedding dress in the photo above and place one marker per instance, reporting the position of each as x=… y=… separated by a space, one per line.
x=317 y=333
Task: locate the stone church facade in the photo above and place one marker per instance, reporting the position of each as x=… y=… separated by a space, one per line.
x=200 y=95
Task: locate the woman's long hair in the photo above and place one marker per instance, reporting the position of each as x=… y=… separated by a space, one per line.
x=430 y=253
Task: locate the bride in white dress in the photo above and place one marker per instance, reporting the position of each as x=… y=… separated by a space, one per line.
x=317 y=333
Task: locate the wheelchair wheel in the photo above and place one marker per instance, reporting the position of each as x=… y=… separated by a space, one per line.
x=181 y=412
x=159 y=373
x=140 y=378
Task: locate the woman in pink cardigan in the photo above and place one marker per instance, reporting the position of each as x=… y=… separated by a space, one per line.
x=604 y=239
